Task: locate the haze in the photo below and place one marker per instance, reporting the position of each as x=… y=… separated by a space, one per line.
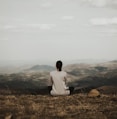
x=58 y=29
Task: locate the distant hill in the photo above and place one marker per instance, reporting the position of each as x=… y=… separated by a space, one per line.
x=114 y=61
x=84 y=69
x=100 y=79
x=41 y=68
x=92 y=74
x=86 y=61
x=90 y=69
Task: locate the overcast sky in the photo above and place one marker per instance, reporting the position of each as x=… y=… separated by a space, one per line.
x=58 y=29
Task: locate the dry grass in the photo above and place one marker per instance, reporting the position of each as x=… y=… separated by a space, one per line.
x=77 y=106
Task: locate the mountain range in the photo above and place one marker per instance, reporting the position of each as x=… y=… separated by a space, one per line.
x=80 y=75
x=41 y=68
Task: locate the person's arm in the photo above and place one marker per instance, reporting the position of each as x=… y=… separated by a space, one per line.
x=65 y=78
x=50 y=81
x=66 y=81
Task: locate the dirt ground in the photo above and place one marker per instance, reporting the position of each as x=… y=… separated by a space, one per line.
x=76 y=106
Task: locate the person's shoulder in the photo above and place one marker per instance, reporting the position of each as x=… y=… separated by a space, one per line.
x=52 y=72
x=64 y=72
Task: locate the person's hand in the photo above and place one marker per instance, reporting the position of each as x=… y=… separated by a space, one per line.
x=67 y=88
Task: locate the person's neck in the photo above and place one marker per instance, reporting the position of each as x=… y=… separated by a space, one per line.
x=58 y=70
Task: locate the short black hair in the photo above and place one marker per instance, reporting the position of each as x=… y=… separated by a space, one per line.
x=59 y=65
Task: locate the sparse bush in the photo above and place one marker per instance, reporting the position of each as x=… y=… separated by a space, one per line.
x=100 y=68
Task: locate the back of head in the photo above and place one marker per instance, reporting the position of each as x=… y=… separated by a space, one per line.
x=59 y=65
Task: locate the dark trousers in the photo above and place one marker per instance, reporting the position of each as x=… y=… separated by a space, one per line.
x=71 y=90
x=49 y=88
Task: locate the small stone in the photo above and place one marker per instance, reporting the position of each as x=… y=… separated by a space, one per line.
x=94 y=93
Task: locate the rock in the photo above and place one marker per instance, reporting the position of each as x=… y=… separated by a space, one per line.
x=94 y=93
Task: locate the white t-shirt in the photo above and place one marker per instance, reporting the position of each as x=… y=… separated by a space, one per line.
x=58 y=86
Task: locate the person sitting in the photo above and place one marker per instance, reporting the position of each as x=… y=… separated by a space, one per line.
x=58 y=79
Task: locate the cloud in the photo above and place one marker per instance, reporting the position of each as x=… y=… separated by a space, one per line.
x=67 y=17
x=29 y=26
x=101 y=3
x=9 y=27
x=99 y=21
x=4 y=39
x=46 y=4
x=114 y=20
x=103 y=21
x=41 y=26
x=111 y=31
x=47 y=26
x=98 y=3
x=10 y=19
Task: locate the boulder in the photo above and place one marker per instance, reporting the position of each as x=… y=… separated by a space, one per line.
x=94 y=93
